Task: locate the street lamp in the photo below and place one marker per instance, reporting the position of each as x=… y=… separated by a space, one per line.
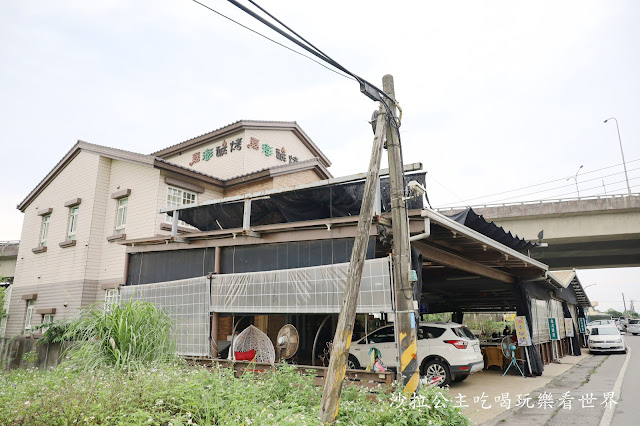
x=576 y=179
x=624 y=164
x=589 y=285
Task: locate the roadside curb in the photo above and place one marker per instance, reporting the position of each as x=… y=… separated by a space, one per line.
x=607 y=417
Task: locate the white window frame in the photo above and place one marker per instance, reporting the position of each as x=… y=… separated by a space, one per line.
x=3 y=321
x=177 y=197
x=28 y=319
x=73 y=223
x=111 y=297
x=44 y=230
x=47 y=319
x=121 y=214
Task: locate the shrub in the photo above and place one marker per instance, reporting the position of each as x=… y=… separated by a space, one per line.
x=128 y=336
x=176 y=394
x=3 y=314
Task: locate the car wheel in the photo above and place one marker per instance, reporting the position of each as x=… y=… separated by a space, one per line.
x=635 y=334
x=352 y=363
x=459 y=379
x=435 y=369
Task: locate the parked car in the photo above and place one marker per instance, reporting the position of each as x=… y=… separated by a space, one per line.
x=446 y=350
x=603 y=322
x=634 y=327
x=619 y=324
x=624 y=321
x=606 y=338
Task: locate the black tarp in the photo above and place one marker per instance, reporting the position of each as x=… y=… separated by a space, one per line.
x=478 y=223
x=575 y=341
x=542 y=290
x=416 y=265
x=291 y=255
x=152 y=267
x=329 y=201
x=523 y=308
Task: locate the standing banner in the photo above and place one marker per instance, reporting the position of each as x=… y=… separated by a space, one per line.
x=553 y=329
x=524 y=338
x=582 y=326
x=568 y=326
x=522 y=331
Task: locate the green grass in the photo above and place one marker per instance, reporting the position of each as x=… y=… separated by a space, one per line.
x=131 y=335
x=177 y=395
x=122 y=370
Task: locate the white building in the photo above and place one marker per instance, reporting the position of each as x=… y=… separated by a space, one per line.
x=69 y=256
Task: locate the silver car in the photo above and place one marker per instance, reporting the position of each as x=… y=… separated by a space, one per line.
x=634 y=327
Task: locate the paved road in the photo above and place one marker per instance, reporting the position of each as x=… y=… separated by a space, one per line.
x=587 y=383
x=627 y=411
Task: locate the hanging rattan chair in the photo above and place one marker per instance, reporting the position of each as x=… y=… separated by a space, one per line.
x=253 y=338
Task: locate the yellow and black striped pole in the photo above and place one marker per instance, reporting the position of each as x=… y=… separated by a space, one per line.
x=406 y=315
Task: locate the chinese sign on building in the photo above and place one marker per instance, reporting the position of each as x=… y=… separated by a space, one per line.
x=568 y=326
x=236 y=145
x=582 y=327
x=553 y=329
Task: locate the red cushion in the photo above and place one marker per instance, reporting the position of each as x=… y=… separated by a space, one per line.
x=245 y=356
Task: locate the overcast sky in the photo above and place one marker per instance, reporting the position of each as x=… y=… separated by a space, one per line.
x=497 y=96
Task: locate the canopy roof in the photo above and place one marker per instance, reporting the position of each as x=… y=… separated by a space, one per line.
x=318 y=201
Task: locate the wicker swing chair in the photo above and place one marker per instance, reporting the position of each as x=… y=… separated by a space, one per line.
x=252 y=338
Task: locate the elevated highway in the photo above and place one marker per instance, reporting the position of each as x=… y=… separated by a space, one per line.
x=602 y=232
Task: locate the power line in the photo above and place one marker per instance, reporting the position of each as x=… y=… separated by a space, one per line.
x=560 y=187
x=273 y=41
x=540 y=184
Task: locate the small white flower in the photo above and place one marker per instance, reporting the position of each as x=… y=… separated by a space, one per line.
x=27 y=403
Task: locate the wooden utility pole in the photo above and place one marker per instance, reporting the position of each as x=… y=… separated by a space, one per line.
x=406 y=316
x=344 y=329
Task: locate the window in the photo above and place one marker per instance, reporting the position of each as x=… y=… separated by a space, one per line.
x=384 y=335
x=111 y=297
x=177 y=197
x=73 y=223
x=3 y=321
x=47 y=319
x=29 y=316
x=429 y=332
x=121 y=215
x=44 y=230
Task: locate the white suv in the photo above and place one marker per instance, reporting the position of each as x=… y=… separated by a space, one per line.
x=634 y=327
x=445 y=349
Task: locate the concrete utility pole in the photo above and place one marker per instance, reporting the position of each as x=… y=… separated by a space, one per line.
x=405 y=321
x=344 y=329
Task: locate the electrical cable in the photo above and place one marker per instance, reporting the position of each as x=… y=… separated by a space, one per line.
x=560 y=187
x=594 y=187
x=312 y=49
x=309 y=47
x=539 y=184
x=274 y=41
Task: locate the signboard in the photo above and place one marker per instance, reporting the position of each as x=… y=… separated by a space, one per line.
x=509 y=317
x=553 y=329
x=582 y=325
x=522 y=331
x=568 y=326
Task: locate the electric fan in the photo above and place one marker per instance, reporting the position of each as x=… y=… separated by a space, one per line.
x=288 y=341
x=509 y=346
